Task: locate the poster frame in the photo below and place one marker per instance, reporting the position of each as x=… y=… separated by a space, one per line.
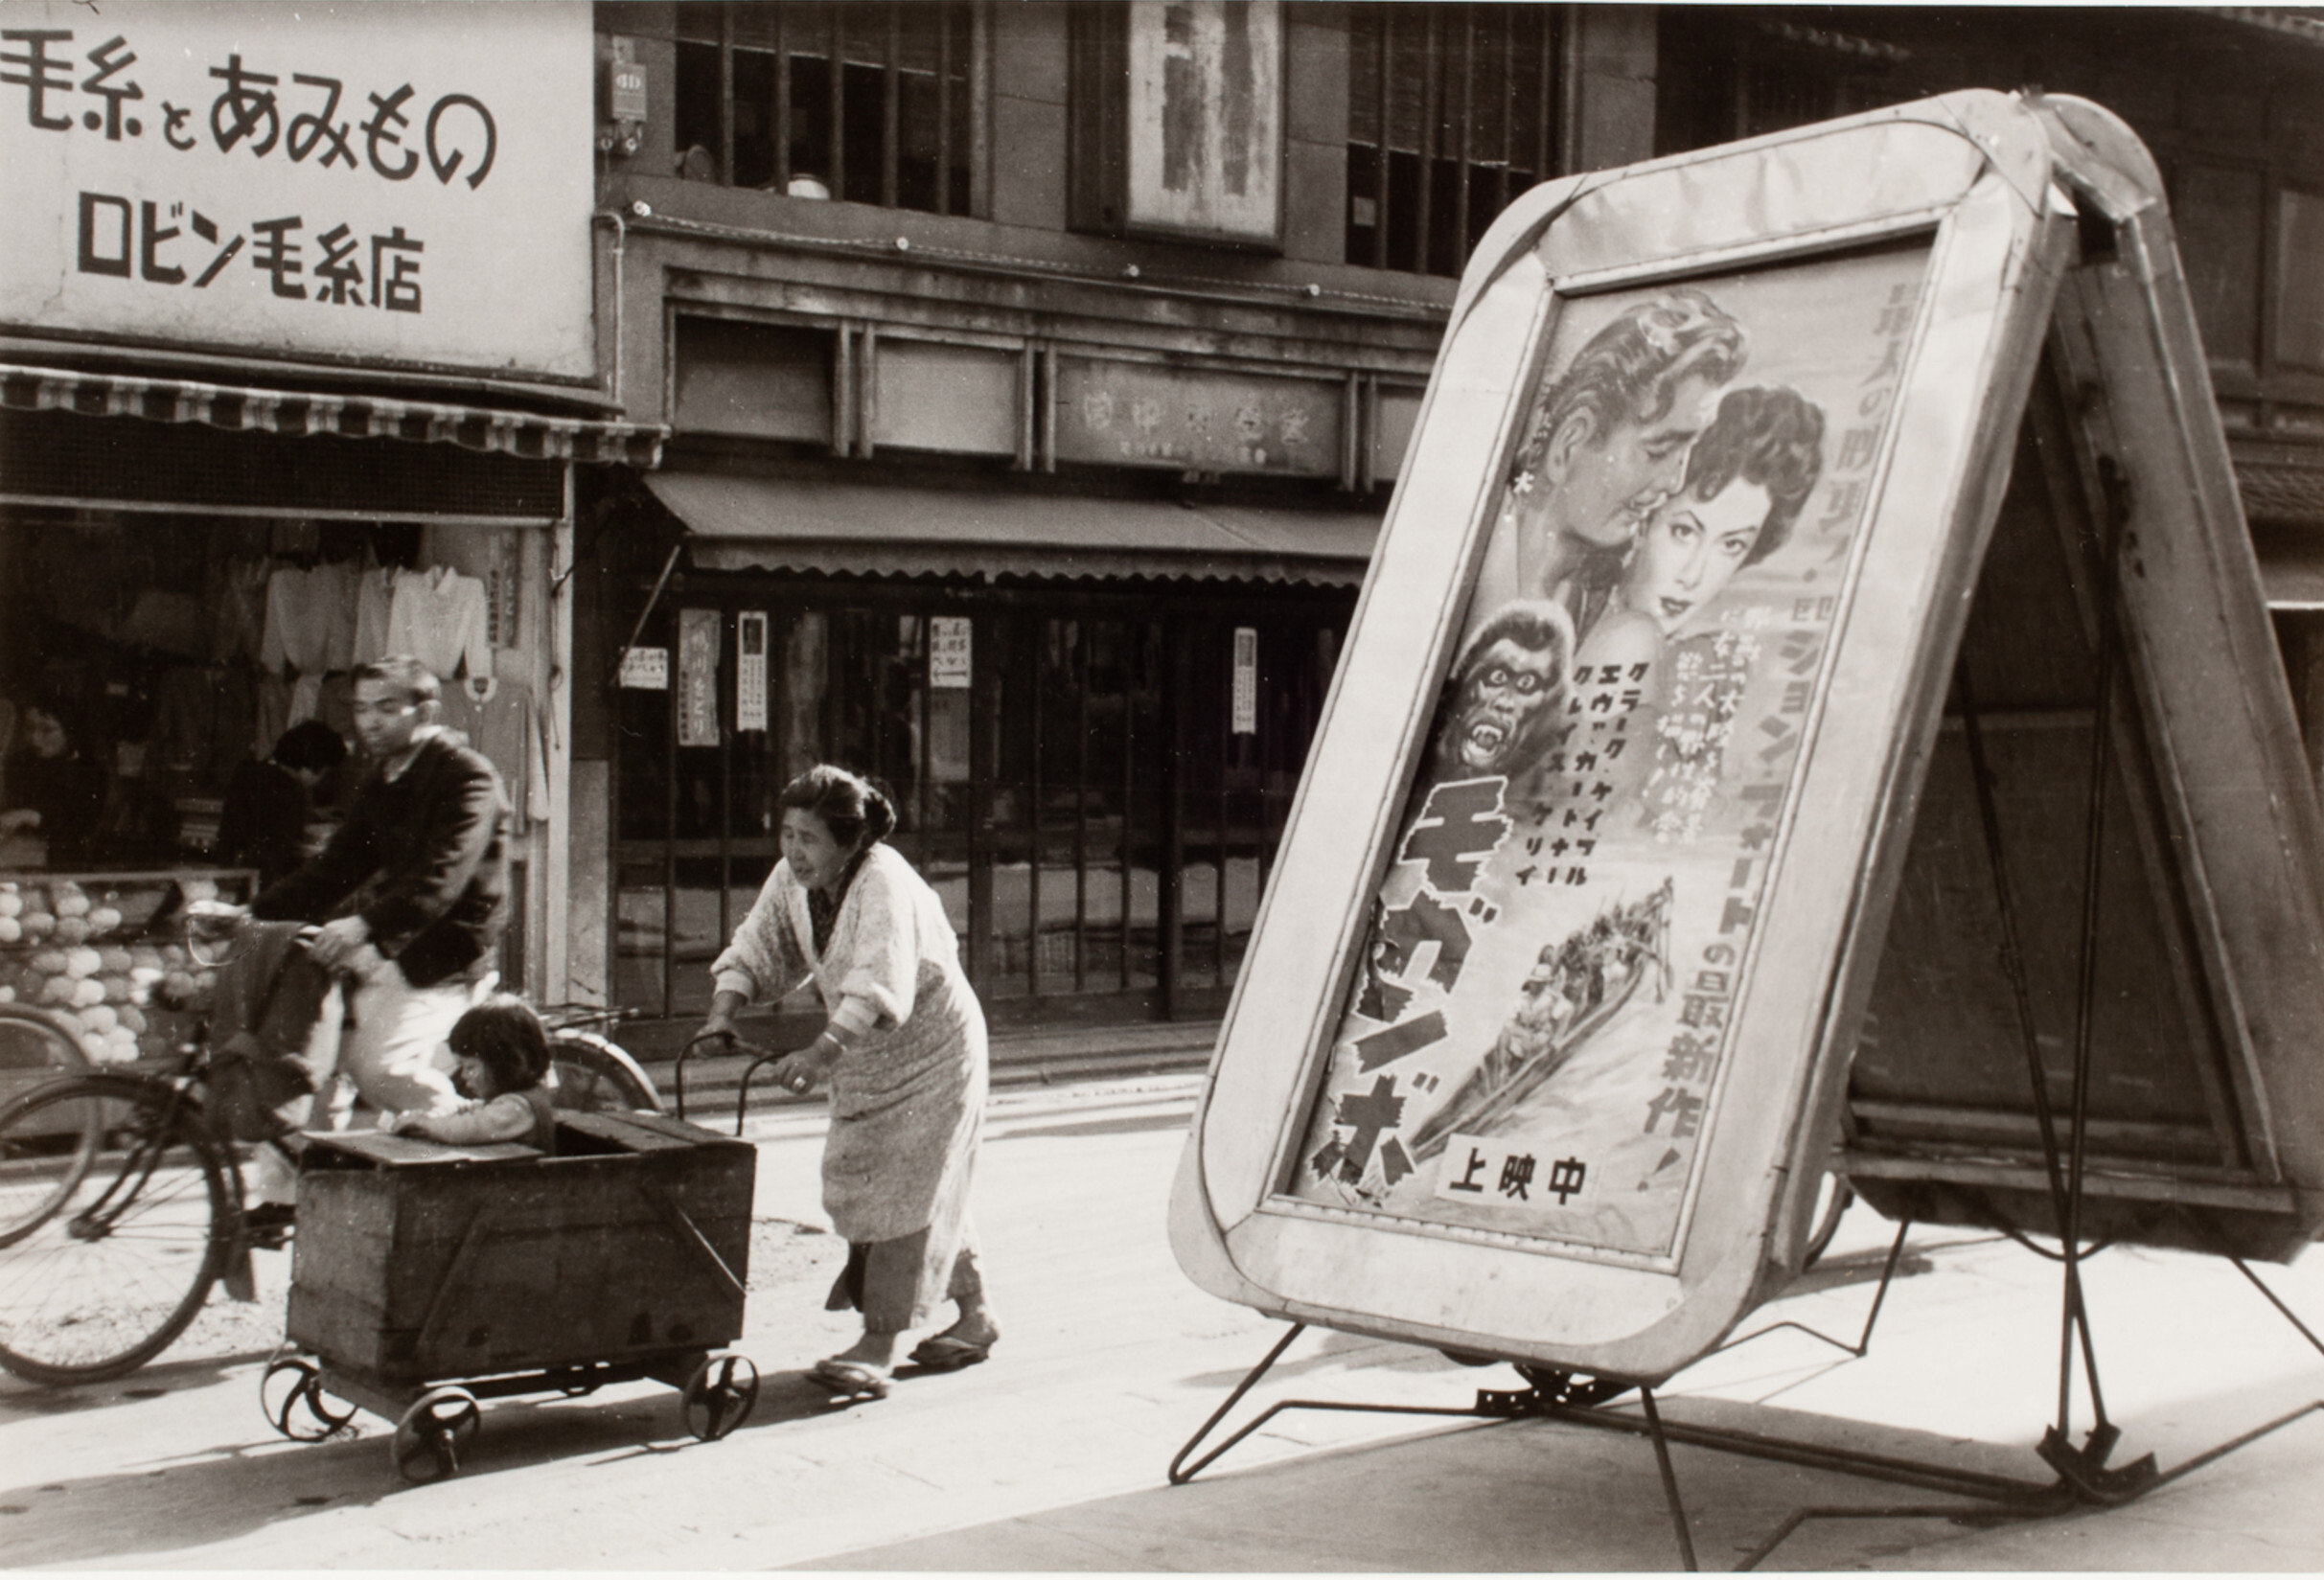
x=1972 y=172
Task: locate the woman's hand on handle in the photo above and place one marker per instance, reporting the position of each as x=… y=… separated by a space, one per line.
x=799 y=1071
x=718 y=1024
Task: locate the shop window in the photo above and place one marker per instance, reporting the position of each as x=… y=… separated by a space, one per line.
x=763 y=380
x=2217 y=212
x=2299 y=274
x=2299 y=635
x=868 y=103
x=1452 y=112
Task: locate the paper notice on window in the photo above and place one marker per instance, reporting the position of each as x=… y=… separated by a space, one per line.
x=948 y=652
x=646 y=668
x=751 y=671
x=1246 y=680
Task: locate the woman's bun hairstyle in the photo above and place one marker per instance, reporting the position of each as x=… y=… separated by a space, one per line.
x=856 y=811
x=879 y=811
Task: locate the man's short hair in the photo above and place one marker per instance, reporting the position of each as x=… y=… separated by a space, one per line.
x=313 y=747
x=407 y=675
x=1629 y=372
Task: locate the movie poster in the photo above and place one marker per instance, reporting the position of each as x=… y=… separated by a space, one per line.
x=1537 y=1043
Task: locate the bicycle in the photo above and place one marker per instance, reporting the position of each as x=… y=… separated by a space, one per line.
x=594 y=1072
x=122 y=1206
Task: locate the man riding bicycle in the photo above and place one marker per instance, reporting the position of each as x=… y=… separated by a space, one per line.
x=411 y=894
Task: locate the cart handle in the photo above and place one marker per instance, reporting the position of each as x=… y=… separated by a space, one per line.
x=739 y=1043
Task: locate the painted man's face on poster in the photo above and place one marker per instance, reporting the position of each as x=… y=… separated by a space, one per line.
x=1564 y=931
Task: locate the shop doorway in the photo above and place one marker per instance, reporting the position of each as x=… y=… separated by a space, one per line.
x=1094 y=784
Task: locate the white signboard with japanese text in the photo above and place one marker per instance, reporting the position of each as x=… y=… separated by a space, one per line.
x=750 y=669
x=1205 y=118
x=948 y=651
x=645 y=669
x=401 y=183
x=1246 y=703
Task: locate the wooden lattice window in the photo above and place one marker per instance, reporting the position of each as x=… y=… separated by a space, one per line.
x=1452 y=112
x=861 y=101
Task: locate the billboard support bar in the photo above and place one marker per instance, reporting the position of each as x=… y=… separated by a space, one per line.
x=1559 y=1395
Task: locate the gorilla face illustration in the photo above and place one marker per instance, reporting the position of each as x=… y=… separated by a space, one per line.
x=1505 y=686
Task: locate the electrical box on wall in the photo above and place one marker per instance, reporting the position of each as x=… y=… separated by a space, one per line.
x=625 y=104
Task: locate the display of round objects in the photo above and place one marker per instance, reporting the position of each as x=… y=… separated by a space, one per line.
x=73 y=951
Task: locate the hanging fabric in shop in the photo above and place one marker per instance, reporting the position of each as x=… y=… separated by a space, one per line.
x=237 y=593
x=439 y=617
x=374 y=603
x=168 y=622
x=309 y=629
x=502 y=723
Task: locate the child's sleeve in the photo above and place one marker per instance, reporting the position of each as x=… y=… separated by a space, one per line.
x=508 y=1117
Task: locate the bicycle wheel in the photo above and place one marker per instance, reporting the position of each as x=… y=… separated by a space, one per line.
x=595 y=1076
x=127 y=1254
x=33 y=1051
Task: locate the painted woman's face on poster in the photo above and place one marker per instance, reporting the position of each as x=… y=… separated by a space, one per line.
x=1536 y=1043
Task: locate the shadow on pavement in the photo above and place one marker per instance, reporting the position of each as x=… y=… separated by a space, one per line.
x=148 y=1381
x=1529 y=1495
x=193 y=1499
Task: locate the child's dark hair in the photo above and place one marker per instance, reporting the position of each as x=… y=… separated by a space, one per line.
x=505 y=1036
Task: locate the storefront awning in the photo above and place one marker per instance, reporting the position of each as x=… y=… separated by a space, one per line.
x=739 y=523
x=486 y=429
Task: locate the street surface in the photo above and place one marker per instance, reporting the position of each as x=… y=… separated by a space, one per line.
x=1052 y=1455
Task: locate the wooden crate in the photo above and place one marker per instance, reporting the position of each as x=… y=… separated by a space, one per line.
x=415 y=1262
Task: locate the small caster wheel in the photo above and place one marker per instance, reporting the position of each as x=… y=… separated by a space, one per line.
x=1561 y=1387
x=720 y=1396
x=291 y=1393
x=429 y=1437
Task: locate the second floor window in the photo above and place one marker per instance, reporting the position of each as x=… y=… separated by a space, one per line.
x=1451 y=112
x=866 y=101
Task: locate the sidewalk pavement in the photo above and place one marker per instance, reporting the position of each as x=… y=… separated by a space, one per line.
x=1053 y=1455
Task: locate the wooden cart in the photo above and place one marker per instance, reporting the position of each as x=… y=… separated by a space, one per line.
x=427 y=1277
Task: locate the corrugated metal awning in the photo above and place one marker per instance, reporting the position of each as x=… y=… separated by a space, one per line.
x=740 y=523
x=529 y=435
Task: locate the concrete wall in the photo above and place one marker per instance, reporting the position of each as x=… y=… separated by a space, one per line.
x=1610 y=119
x=1028 y=103
x=1314 y=132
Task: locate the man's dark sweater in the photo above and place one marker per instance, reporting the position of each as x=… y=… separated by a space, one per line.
x=424 y=857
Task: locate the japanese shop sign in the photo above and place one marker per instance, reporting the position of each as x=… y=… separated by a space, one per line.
x=1205 y=118
x=698 y=650
x=1133 y=414
x=394 y=181
x=1246 y=701
x=750 y=669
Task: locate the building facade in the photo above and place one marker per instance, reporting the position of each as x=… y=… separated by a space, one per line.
x=1036 y=372
x=269 y=360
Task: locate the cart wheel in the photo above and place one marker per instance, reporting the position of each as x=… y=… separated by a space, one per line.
x=291 y=1393
x=429 y=1437
x=720 y=1396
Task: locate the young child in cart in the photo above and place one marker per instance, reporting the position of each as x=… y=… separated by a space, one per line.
x=504 y=1061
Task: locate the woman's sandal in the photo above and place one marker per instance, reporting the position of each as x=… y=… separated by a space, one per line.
x=942 y=1352
x=850 y=1378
